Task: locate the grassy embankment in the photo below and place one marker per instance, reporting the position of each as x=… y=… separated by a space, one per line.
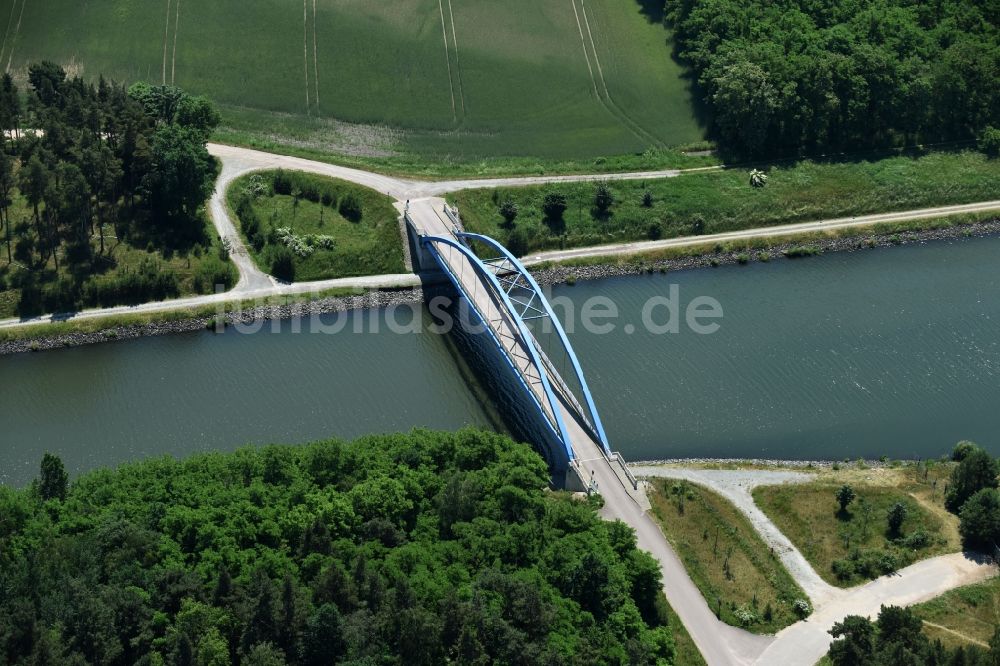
x=740 y=578
x=967 y=615
x=719 y=201
x=477 y=81
x=365 y=242
x=850 y=547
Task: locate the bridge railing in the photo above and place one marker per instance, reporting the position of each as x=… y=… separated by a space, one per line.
x=594 y=417
x=553 y=414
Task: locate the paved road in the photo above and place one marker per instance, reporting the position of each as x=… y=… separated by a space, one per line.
x=737 y=486
x=760 y=232
x=803 y=643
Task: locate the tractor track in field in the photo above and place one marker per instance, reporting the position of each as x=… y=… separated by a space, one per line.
x=305 y=49
x=10 y=19
x=609 y=103
x=173 y=56
x=315 y=60
x=166 y=39
x=458 y=62
x=17 y=31
x=447 y=58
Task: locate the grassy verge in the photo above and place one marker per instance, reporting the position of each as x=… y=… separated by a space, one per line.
x=849 y=547
x=763 y=249
x=719 y=201
x=335 y=228
x=109 y=322
x=742 y=581
x=967 y=615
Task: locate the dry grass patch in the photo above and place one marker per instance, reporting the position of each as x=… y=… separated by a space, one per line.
x=966 y=616
x=855 y=545
x=742 y=580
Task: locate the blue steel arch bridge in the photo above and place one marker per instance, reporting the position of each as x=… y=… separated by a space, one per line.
x=509 y=305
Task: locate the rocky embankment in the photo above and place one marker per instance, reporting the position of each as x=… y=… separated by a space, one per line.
x=545 y=276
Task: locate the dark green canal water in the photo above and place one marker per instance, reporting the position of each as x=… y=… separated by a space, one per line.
x=885 y=352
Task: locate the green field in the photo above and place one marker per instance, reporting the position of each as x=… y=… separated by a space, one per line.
x=724 y=201
x=377 y=79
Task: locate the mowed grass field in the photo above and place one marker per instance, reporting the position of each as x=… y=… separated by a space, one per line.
x=467 y=79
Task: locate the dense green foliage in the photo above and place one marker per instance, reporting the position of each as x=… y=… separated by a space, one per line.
x=100 y=174
x=977 y=470
x=792 y=76
x=403 y=549
x=302 y=227
x=895 y=639
x=980 y=526
x=567 y=215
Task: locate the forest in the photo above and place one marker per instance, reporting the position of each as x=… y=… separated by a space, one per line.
x=816 y=76
x=423 y=548
x=101 y=194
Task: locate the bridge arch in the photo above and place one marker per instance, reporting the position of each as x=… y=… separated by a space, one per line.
x=550 y=411
x=526 y=281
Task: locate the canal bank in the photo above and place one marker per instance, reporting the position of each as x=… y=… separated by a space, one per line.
x=63 y=334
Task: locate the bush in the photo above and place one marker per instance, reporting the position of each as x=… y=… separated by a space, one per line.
x=962 y=450
x=647 y=199
x=603 y=198
x=554 y=205
x=989 y=141
x=508 y=211
x=350 y=208
x=845 y=495
x=654 y=231
x=980 y=520
x=697 y=225
x=282 y=263
x=977 y=470
x=895 y=518
x=802 y=608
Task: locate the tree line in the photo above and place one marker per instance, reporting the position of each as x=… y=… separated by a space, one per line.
x=798 y=76
x=96 y=165
x=425 y=548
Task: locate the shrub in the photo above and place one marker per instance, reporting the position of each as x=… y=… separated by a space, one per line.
x=508 y=211
x=758 y=178
x=603 y=198
x=977 y=470
x=980 y=520
x=962 y=450
x=647 y=199
x=919 y=539
x=843 y=569
x=989 y=141
x=697 y=225
x=282 y=263
x=743 y=258
x=845 y=495
x=895 y=517
x=802 y=607
x=350 y=208
x=654 y=231
x=554 y=205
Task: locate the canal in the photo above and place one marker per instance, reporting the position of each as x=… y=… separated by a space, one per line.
x=890 y=352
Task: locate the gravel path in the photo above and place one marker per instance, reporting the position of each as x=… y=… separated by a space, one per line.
x=736 y=486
